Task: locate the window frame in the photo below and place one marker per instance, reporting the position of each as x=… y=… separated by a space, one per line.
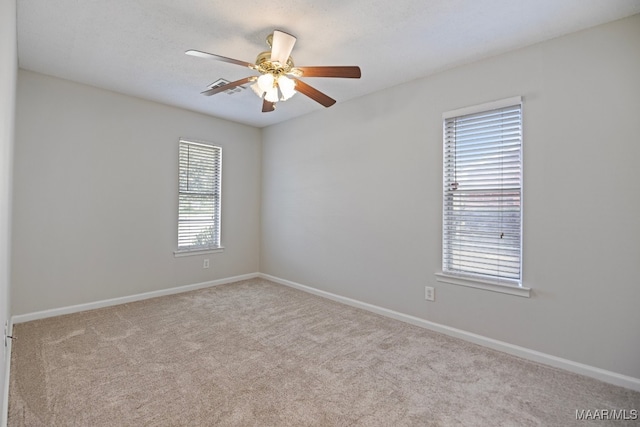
x=470 y=279
x=217 y=245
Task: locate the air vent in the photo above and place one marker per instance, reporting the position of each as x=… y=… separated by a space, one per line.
x=222 y=82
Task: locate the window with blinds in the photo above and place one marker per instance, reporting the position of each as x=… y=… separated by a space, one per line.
x=199 y=196
x=482 y=210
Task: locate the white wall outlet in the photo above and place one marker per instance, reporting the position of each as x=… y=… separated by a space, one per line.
x=6 y=339
x=205 y=264
x=429 y=293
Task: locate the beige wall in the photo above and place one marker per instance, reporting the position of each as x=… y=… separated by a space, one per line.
x=8 y=71
x=95 y=185
x=352 y=201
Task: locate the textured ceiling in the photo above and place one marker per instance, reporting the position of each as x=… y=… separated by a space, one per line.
x=137 y=47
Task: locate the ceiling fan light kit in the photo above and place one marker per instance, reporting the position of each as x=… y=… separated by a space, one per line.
x=279 y=78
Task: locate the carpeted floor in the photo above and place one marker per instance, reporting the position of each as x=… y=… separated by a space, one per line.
x=255 y=353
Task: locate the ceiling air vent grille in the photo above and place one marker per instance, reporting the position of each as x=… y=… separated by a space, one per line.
x=222 y=82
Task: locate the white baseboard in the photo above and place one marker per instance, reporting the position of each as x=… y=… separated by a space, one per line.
x=122 y=300
x=515 y=350
x=7 y=376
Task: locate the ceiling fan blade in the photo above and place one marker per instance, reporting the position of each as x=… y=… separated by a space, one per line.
x=207 y=55
x=228 y=86
x=268 y=106
x=314 y=93
x=347 y=72
x=281 y=46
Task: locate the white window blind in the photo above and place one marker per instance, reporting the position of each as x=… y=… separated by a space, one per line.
x=482 y=215
x=199 y=196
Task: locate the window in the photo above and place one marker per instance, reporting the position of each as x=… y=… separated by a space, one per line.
x=199 y=197
x=482 y=194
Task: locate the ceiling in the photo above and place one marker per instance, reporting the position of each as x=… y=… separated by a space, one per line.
x=136 y=47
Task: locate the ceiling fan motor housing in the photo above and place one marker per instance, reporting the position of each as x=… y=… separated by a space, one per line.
x=265 y=65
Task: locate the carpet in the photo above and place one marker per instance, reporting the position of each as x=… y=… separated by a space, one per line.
x=255 y=353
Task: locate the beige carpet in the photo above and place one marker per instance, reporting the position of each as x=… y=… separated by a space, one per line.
x=255 y=353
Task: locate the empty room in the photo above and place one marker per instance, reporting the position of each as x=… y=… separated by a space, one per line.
x=332 y=213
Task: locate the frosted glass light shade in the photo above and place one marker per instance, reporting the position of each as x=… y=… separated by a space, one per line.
x=287 y=87
x=257 y=90
x=272 y=94
x=265 y=82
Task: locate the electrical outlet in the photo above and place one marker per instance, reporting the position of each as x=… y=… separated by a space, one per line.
x=6 y=340
x=429 y=293
x=205 y=264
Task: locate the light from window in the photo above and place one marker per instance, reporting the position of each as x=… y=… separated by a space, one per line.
x=482 y=203
x=199 y=196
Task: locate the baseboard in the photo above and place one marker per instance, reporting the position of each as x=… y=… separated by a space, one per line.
x=7 y=373
x=122 y=300
x=515 y=350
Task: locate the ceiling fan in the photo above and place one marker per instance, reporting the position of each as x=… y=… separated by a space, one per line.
x=279 y=78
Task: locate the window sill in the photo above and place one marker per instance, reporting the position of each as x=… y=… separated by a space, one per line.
x=503 y=288
x=186 y=252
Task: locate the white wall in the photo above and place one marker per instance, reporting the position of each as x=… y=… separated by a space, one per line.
x=8 y=71
x=95 y=195
x=351 y=199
